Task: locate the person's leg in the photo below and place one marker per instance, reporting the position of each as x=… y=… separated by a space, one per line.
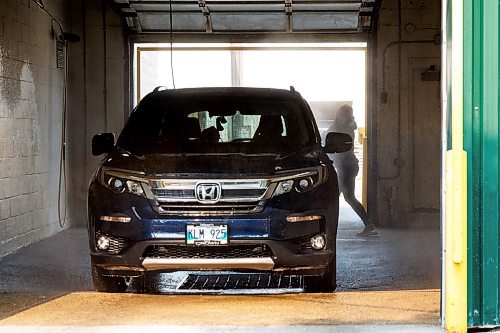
x=348 y=189
x=347 y=181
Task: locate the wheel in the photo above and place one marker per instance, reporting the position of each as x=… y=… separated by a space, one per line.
x=324 y=283
x=110 y=284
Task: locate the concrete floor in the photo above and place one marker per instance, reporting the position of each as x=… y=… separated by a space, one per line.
x=393 y=278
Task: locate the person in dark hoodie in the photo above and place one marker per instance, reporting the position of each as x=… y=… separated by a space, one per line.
x=347 y=167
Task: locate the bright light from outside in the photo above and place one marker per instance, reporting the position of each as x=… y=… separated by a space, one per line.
x=327 y=75
x=191 y=69
x=320 y=76
x=322 y=73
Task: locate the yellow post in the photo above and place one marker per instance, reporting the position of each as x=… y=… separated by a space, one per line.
x=456 y=191
x=363 y=140
x=456 y=242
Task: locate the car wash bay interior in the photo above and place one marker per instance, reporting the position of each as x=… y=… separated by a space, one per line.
x=84 y=61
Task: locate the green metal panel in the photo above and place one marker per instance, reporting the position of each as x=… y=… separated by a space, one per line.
x=482 y=142
x=449 y=45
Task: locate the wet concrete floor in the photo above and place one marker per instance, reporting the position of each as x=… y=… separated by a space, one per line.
x=390 y=278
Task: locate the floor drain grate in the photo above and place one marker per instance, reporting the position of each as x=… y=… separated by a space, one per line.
x=241 y=281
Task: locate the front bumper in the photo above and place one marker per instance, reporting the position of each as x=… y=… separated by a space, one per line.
x=268 y=227
x=152 y=264
x=282 y=258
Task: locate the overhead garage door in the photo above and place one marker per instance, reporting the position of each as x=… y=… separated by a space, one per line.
x=249 y=16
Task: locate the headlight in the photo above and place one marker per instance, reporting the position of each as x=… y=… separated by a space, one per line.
x=116 y=184
x=302 y=181
x=284 y=187
x=120 y=183
x=305 y=183
x=135 y=187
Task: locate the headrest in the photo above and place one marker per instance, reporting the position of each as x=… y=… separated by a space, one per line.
x=270 y=124
x=192 y=128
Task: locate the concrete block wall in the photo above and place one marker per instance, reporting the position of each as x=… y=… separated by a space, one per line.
x=31 y=103
x=97 y=91
x=407 y=151
x=31 y=106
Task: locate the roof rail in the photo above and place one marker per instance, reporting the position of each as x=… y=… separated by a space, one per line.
x=160 y=88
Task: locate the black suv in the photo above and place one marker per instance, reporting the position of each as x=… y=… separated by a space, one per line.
x=215 y=179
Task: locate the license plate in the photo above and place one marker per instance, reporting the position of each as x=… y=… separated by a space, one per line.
x=206 y=234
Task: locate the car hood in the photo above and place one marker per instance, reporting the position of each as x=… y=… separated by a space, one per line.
x=220 y=164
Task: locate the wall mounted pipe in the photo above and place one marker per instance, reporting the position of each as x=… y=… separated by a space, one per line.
x=398 y=160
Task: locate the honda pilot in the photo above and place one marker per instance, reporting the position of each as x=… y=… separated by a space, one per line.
x=232 y=179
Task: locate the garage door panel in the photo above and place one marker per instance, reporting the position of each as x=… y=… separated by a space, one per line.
x=333 y=7
x=337 y=21
x=250 y=16
x=240 y=22
x=158 y=22
x=165 y=7
x=255 y=8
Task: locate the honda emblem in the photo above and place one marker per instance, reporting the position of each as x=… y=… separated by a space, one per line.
x=208 y=192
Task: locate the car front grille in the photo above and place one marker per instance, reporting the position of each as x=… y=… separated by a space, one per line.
x=237 y=196
x=213 y=209
x=173 y=194
x=207 y=252
x=242 y=193
x=231 y=194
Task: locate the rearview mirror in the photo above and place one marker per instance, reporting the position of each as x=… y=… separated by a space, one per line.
x=338 y=143
x=102 y=143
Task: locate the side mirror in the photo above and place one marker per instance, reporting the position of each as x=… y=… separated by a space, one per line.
x=102 y=143
x=338 y=143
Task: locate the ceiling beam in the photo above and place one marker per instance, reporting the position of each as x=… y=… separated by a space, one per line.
x=303 y=37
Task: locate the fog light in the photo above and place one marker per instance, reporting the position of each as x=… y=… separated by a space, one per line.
x=103 y=243
x=318 y=242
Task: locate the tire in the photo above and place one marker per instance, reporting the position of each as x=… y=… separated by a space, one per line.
x=110 y=284
x=325 y=283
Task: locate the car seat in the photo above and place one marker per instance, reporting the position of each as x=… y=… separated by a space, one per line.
x=191 y=128
x=269 y=130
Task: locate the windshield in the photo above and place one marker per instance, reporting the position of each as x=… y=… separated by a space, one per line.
x=216 y=124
